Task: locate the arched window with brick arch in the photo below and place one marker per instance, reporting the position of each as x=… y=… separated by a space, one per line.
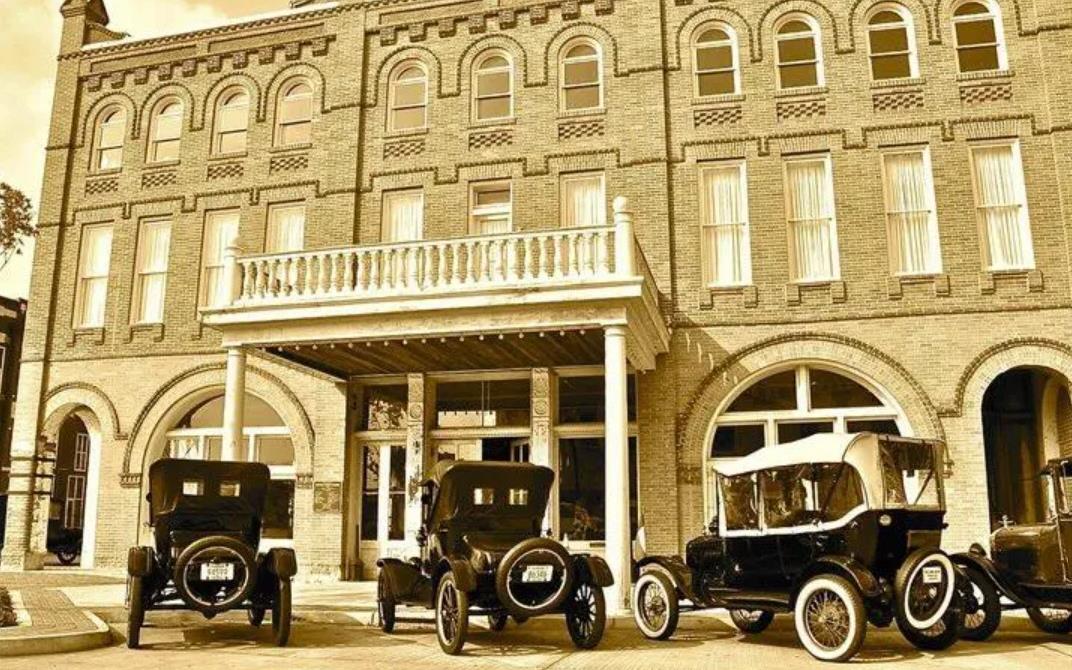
x=294 y=114
x=715 y=61
x=891 y=42
x=979 y=36
x=493 y=86
x=232 y=122
x=581 y=75
x=165 y=131
x=799 y=52
x=109 y=138
x=408 y=97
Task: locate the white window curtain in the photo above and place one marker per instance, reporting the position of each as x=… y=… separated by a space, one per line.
x=93 y=276
x=154 y=245
x=911 y=220
x=810 y=209
x=1001 y=202
x=220 y=229
x=724 y=206
x=286 y=229
x=584 y=201
x=403 y=216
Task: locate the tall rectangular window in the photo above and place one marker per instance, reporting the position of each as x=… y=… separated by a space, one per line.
x=584 y=200
x=403 y=216
x=150 y=282
x=491 y=207
x=726 y=251
x=809 y=204
x=92 y=289
x=1001 y=206
x=221 y=228
x=286 y=228
x=911 y=216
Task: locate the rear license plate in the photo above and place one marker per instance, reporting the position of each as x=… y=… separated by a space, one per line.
x=932 y=575
x=537 y=573
x=217 y=572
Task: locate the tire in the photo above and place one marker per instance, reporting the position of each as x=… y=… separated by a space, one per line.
x=586 y=615
x=255 y=615
x=830 y=596
x=751 y=621
x=385 y=603
x=200 y=597
x=656 y=606
x=529 y=600
x=1054 y=622
x=497 y=622
x=941 y=635
x=983 y=620
x=451 y=615
x=135 y=610
x=921 y=605
x=67 y=556
x=281 y=611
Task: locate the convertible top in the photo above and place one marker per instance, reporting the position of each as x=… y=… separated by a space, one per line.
x=167 y=476
x=819 y=448
x=456 y=481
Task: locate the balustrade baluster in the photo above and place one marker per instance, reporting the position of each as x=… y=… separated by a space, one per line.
x=541 y=261
x=360 y=275
x=427 y=267
x=247 y=280
x=512 y=273
x=602 y=256
x=470 y=263
x=442 y=272
x=375 y=282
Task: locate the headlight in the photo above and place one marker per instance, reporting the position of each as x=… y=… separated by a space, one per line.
x=885 y=520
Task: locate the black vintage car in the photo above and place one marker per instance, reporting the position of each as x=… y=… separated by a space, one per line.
x=482 y=553
x=840 y=530
x=206 y=519
x=1030 y=566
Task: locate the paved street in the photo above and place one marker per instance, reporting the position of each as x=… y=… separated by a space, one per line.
x=710 y=642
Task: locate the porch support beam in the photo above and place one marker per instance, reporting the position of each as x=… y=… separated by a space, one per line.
x=234 y=406
x=542 y=446
x=617 y=467
x=417 y=453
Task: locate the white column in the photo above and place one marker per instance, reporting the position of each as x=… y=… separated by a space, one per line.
x=234 y=405
x=624 y=241
x=617 y=468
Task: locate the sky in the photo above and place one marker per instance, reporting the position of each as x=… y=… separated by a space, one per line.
x=29 y=39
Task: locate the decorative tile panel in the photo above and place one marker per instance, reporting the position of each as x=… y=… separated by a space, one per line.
x=403 y=149
x=803 y=109
x=576 y=130
x=896 y=101
x=719 y=116
x=490 y=139
x=225 y=171
x=99 y=186
x=288 y=163
x=984 y=93
x=155 y=179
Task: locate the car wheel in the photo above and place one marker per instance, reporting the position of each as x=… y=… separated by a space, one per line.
x=830 y=618
x=255 y=615
x=211 y=596
x=1054 y=621
x=982 y=610
x=656 y=605
x=941 y=635
x=752 y=621
x=66 y=556
x=452 y=615
x=385 y=603
x=925 y=586
x=586 y=615
x=534 y=578
x=135 y=610
x=281 y=613
x=497 y=621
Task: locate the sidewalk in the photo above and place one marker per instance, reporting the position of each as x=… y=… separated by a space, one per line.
x=49 y=622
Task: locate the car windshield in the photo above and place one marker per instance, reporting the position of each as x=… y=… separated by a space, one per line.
x=803 y=494
x=739 y=501
x=909 y=475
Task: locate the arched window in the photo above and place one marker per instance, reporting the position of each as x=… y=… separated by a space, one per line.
x=111 y=132
x=199 y=435
x=232 y=122
x=715 y=61
x=493 y=87
x=408 y=104
x=581 y=76
x=294 y=116
x=892 y=44
x=979 y=37
x=165 y=135
x=799 y=52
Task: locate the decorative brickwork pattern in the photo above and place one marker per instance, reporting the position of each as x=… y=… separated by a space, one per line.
x=225 y=171
x=804 y=109
x=577 y=130
x=984 y=93
x=288 y=163
x=897 y=101
x=98 y=186
x=404 y=149
x=155 y=179
x=490 y=139
x=721 y=116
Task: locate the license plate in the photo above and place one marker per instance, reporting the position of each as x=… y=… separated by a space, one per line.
x=537 y=573
x=217 y=572
x=932 y=575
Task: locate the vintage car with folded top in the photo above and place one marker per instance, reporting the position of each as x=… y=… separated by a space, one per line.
x=1030 y=565
x=839 y=530
x=482 y=554
x=206 y=518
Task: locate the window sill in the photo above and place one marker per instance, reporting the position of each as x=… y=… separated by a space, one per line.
x=291 y=148
x=984 y=75
x=582 y=114
x=895 y=284
x=803 y=92
x=492 y=123
x=111 y=172
x=835 y=287
x=162 y=165
x=219 y=158
x=900 y=82
x=92 y=334
x=749 y=294
x=405 y=134
x=715 y=100
x=1032 y=278
x=155 y=330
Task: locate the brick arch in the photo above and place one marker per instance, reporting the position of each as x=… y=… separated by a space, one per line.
x=205 y=380
x=463 y=76
x=170 y=89
x=224 y=84
x=284 y=76
x=922 y=15
x=817 y=10
x=63 y=399
x=92 y=117
x=683 y=44
x=943 y=16
x=594 y=32
x=378 y=82
x=998 y=359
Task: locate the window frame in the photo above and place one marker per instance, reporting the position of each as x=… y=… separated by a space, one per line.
x=995 y=16
x=219 y=134
x=731 y=41
x=564 y=61
x=385 y=210
x=835 y=250
x=816 y=35
x=274 y=209
x=205 y=297
x=933 y=225
x=907 y=24
x=1025 y=213
x=281 y=124
x=155 y=142
x=78 y=321
x=706 y=223
x=392 y=103
x=477 y=212
x=567 y=177
x=105 y=119
x=138 y=292
x=478 y=71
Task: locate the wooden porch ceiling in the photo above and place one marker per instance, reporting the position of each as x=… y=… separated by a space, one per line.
x=490 y=351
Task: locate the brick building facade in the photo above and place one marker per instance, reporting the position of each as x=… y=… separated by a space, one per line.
x=12 y=322
x=840 y=215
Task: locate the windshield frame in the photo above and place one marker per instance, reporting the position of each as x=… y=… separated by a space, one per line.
x=935 y=477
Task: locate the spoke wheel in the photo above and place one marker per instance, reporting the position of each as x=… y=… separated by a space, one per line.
x=452 y=615
x=656 y=606
x=1054 y=621
x=941 y=635
x=982 y=608
x=830 y=619
x=751 y=621
x=586 y=615
x=385 y=603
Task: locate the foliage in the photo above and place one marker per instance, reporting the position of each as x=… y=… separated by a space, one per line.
x=7 y=610
x=16 y=222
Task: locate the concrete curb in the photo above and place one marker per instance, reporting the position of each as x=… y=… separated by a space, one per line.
x=59 y=643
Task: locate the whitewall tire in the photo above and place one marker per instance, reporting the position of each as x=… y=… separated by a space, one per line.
x=830 y=618
x=655 y=605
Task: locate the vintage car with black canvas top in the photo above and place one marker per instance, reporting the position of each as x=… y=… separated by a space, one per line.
x=206 y=518
x=839 y=530
x=1030 y=566
x=482 y=554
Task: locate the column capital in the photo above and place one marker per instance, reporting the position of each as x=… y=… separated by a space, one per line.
x=615 y=330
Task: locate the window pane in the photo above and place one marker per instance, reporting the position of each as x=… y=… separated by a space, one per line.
x=583 y=72
x=739 y=502
x=798 y=76
x=372 y=469
x=581 y=50
x=233 y=143
x=169 y=124
x=713 y=35
x=879 y=426
x=275 y=450
x=483 y=403
x=405 y=119
x=398 y=469
x=582 y=98
x=583 y=201
x=166 y=151
x=891 y=67
x=493 y=83
x=714 y=58
x=889 y=39
x=286 y=229
x=493 y=108
x=297 y=107
x=976 y=32
x=396 y=529
x=777 y=392
x=370 y=515
x=885 y=16
x=791 y=432
x=791 y=27
x=829 y=390
x=717 y=83
x=300 y=133
x=737 y=441
x=112 y=131
x=787 y=497
x=977 y=59
x=279 y=509
x=111 y=158
x=796 y=49
x=385 y=407
x=582 y=494
x=840 y=490
x=403 y=216
x=407 y=94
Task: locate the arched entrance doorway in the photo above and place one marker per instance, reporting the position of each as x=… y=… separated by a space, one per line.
x=72 y=509
x=1026 y=421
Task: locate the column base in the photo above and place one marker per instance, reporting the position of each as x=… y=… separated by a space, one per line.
x=22 y=562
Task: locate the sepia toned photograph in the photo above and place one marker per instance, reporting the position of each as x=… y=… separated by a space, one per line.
x=533 y=334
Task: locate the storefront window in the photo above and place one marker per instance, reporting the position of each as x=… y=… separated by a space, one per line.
x=385 y=407
x=383 y=499
x=483 y=404
x=582 y=399
x=582 y=488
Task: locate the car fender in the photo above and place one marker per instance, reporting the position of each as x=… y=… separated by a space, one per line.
x=282 y=562
x=140 y=561
x=592 y=570
x=674 y=567
x=977 y=558
x=403 y=577
x=848 y=567
x=464 y=575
